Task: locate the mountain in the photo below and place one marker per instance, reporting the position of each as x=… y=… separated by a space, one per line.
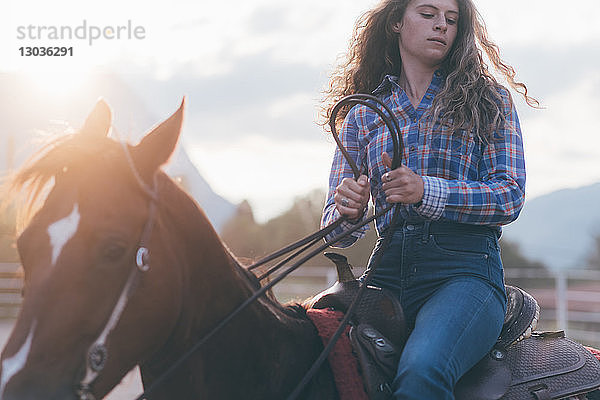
x=28 y=116
x=218 y=210
x=558 y=228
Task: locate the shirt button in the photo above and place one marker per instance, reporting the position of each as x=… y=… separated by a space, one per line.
x=437 y=73
x=410 y=227
x=412 y=148
x=428 y=97
x=414 y=120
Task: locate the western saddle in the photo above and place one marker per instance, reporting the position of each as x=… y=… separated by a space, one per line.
x=523 y=364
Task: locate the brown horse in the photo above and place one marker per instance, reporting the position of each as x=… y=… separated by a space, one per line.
x=82 y=285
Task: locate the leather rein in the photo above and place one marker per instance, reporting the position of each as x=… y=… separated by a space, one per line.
x=97 y=352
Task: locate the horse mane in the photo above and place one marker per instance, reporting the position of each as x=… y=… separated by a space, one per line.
x=31 y=183
x=181 y=204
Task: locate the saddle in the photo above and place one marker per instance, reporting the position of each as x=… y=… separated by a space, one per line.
x=523 y=364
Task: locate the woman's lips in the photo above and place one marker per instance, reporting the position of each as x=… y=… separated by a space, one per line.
x=437 y=40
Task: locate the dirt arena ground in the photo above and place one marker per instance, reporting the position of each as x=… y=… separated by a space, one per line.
x=129 y=388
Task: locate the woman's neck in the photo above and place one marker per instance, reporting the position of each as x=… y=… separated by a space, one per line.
x=415 y=81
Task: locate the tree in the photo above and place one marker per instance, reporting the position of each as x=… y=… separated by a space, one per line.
x=593 y=259
x=242 y=234
x=249 y=240
x=513 y=257
x=514 y=262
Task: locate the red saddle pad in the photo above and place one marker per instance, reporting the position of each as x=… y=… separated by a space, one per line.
x=594 y=351
x=343 y=363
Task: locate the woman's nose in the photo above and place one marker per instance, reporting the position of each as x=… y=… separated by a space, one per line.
x=440 y=24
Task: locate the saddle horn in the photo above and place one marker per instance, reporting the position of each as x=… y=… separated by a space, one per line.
x=344 y=269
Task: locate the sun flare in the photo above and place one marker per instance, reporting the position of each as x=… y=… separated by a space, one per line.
x=58 y=84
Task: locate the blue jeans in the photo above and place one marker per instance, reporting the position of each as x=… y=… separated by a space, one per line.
x=449 y=279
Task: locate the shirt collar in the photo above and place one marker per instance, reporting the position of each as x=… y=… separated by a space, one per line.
x=390 y=82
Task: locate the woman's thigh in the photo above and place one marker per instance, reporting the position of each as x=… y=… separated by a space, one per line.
x=441 y=260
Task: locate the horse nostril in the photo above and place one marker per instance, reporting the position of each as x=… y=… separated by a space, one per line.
x=85 y=393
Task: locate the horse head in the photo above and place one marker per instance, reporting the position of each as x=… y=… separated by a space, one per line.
x=78 y=252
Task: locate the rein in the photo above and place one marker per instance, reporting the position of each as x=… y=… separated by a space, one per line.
x=392 y=124
x=97 y=353
x=396 y=160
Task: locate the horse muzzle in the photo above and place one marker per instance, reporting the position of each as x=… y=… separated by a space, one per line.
x=33 y=392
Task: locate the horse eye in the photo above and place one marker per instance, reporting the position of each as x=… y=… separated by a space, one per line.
x=113 y=253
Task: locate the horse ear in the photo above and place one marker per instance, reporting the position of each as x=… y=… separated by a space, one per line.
x=99 y=121
x=156 y=147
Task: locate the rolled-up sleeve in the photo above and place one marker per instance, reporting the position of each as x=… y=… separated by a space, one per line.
x=497 y=197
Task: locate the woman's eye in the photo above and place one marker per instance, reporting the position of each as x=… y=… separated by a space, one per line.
x=427 y=15
x=450 y=21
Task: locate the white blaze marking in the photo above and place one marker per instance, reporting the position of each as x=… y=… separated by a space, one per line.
x=11 y=366
x=61 y=231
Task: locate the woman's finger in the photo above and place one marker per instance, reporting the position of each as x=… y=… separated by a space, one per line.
x=348 y=207
x=344 y=192
x=387 y=160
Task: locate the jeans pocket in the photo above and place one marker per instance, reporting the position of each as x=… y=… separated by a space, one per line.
x=464 y=245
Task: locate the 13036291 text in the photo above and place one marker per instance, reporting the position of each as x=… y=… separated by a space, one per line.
x=51 y=51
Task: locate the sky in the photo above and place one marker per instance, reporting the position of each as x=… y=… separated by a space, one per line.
x=253 y=72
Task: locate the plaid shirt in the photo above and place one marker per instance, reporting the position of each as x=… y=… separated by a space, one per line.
x=465 y=180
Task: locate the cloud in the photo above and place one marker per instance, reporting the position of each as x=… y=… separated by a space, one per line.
x=562 y=143
x=543 y=23
x=268 y=19
x=259 y=96
x=550 y=71
x=253 y=72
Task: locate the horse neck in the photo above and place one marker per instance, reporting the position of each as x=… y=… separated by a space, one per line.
x=255 y=348
x=262 y=353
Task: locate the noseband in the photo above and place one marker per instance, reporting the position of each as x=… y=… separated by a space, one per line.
x=97 y=353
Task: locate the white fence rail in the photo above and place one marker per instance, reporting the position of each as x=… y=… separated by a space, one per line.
x=11 y=283
x=305 y=282
x=569 y=299
x=571 y=302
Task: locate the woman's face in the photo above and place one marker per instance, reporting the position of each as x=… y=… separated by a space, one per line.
x=427 y=31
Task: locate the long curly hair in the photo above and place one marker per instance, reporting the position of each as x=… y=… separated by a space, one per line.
x=470 y=98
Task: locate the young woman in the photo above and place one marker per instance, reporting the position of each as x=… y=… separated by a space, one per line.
x=463 y=176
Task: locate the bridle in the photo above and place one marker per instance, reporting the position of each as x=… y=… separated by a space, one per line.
x=97 y=352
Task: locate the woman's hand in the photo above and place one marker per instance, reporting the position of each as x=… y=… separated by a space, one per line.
x=352 y=196
x=401 y=185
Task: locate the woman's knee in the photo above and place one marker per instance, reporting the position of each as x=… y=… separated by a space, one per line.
x=426 y=368
x=418 y=379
